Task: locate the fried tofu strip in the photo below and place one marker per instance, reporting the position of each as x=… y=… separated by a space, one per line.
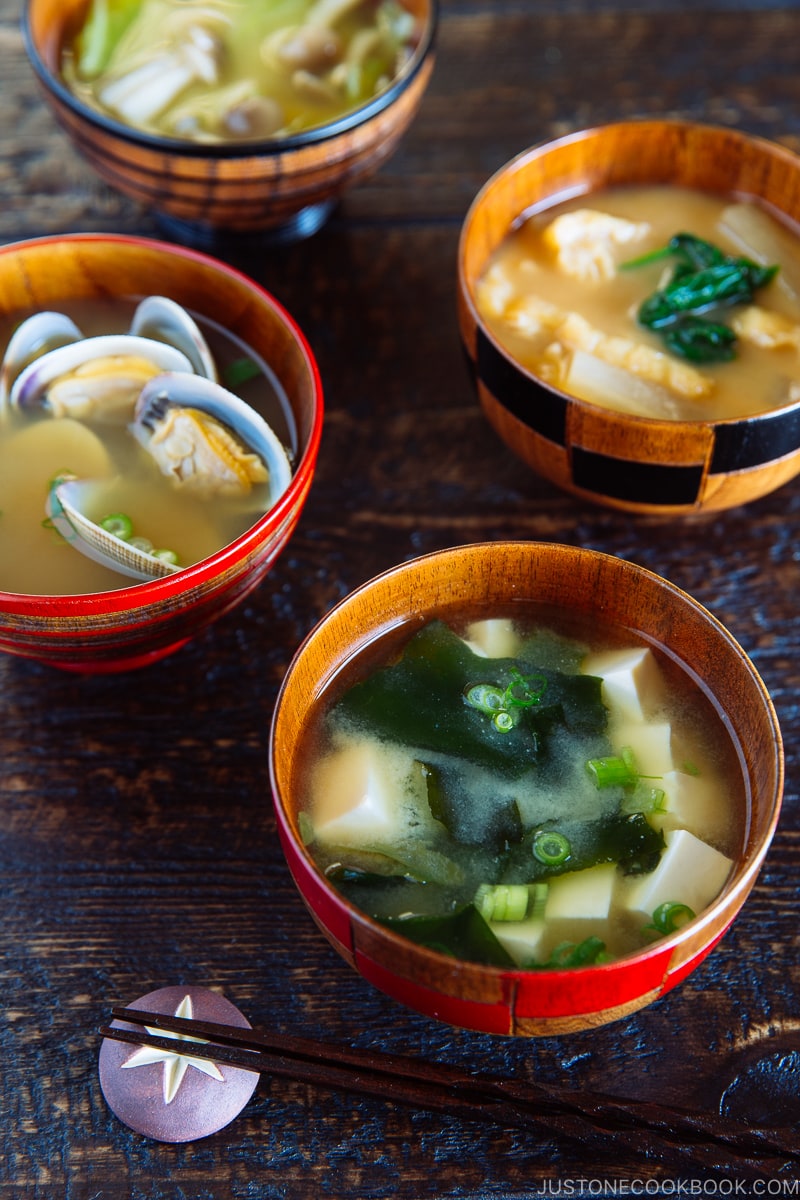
x=766 y=329
x=644 y=361
x=587 y=243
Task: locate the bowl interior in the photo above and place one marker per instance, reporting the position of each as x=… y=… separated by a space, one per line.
x=627 y=461
x=48 y=272
x=588 y=582
x=49 y=23
x=684 y=154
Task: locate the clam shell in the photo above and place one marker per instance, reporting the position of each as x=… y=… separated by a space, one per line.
x=37 y=335
x=64 y=502
x=30 y=388
x=161 y=318
x=195 y=392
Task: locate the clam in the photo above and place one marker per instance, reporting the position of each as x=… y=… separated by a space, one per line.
x=161 y=318
x=207 y=440
x=67 y=500
x=33 y=337
x=96 y=379
x=50 y=363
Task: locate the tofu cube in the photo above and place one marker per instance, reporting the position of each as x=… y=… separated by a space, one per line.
x=366 y=794
x=651 y=746
x=632 y=681
x=493 y=638
x=690 y=802
x=522 y=939
x=578 y=904
x=690 y=872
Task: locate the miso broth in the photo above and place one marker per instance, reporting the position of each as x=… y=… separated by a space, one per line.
x=488 y=828
x=35 y=447
x=565 y=300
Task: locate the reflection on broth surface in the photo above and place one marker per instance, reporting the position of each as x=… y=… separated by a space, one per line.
x=526 y=791
x=117 y=476
x=575 y=294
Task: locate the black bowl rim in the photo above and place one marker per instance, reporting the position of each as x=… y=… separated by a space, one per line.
x=264 y=148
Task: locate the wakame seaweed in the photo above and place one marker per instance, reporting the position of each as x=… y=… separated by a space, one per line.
x=420 y=701
x=463 y=934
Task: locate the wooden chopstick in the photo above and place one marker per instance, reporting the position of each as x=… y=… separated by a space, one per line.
x=681 y=1136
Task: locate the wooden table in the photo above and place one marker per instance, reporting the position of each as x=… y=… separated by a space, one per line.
x=138 y=844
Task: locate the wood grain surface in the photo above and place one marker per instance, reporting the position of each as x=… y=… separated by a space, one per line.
x=137 y=841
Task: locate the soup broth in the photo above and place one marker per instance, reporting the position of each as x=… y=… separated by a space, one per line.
x=565 y=299
x=228 y=70
x=522 y=791
x=36 y=447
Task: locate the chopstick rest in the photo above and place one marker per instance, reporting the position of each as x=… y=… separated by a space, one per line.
x=173 y=1095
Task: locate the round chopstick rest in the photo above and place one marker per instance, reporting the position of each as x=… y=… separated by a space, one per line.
x=174 y=1097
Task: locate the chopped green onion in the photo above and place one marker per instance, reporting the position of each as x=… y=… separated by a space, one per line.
x=670 y=916
x=142 y=543
x=615 y=770
x=166 y=556
x=538 y=903
x=503 y=721
x=118 y=525
x=524 y=690
x=551 y=847
x=567 y=954
x=486 y=698
x=644 y=800
x=690 y=768
x=502 y=901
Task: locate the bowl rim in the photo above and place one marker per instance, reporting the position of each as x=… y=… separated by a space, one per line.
x=255 y=148
x=538 y=150
x=745 y=873
x=172 y=587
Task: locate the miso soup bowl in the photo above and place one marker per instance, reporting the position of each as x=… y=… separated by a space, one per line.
x=202 y=194
x=612 y=458
x=118 y=630
x=513 y=1001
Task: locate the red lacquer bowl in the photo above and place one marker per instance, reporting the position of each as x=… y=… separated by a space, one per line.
x=276 y=189
x=117 y=630
x=513 y=1001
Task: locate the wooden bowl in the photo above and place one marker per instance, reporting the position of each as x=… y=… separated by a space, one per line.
x=117 y=630
x=627 y=462
x=280 y=189
x=492 y=999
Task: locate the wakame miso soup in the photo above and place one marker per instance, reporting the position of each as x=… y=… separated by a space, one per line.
x=527 y=790
x=659 y=301
x=174 y=480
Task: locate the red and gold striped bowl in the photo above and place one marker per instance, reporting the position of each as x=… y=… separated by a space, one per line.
x=204 y=194
x=114 y=631
x=513 y=1001
x=627 y=462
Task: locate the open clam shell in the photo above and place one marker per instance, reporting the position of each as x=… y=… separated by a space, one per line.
x=37 y=335
x=102 y=367
x=198 y=395
x=163 y=319
x=66 y=500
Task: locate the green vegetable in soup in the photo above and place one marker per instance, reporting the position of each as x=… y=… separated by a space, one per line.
x=463 y=934
x=422 y=700
x=704 y=279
